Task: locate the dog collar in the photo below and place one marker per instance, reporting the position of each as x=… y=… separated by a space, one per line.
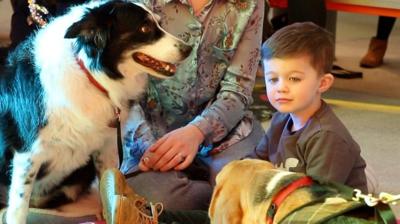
x=115 y=123
x=283 y=193
x=90 y=77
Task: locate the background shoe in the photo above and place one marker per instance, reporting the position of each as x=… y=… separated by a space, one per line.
x=121 y=205
x=374 y=56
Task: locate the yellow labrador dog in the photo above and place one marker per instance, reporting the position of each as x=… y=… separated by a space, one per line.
x=253 y=192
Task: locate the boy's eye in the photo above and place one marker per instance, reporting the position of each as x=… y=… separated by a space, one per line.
x=294 y=79
x=272 y=80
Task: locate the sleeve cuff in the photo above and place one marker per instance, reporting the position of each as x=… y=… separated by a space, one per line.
x=204 y=125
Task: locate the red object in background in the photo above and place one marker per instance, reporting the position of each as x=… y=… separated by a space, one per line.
x=278 y=3
x=263 y=97
x=377 y=9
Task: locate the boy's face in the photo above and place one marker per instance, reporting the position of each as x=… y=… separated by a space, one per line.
x=293 y=85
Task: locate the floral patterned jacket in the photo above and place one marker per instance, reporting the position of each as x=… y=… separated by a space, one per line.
x=212 y=89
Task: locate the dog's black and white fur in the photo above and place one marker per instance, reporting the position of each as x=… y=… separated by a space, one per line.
x=54 y=130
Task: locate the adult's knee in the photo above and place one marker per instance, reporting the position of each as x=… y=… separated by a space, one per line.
x=173 y=189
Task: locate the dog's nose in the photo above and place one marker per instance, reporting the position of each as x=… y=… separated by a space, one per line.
x=185 y=49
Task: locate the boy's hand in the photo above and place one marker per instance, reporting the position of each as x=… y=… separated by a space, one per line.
x=175 y=150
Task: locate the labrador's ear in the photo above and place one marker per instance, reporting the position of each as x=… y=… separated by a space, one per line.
x=225 y=202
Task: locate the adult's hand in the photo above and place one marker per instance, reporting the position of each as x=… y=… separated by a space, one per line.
x=175 y=150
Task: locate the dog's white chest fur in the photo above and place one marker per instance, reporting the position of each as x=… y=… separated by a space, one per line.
x=70 y=140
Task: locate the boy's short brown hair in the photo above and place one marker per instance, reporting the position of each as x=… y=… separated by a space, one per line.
x=299 y=39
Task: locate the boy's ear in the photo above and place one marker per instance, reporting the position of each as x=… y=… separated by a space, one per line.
x=326 y=82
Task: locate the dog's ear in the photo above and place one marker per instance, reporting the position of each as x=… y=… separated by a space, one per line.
x=77 y=29
x=94 y=26
x=89 y=31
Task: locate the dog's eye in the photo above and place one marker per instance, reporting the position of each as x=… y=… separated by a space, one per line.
x=145 y=29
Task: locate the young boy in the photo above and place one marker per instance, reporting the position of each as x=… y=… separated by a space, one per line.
x=305 y=135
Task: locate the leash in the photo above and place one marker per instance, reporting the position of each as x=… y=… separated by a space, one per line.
x=382 y=212
x=284 y=193
x=371 y=201
x=117 y=111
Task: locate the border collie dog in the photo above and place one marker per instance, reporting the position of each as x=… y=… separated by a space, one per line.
x=60 y=92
